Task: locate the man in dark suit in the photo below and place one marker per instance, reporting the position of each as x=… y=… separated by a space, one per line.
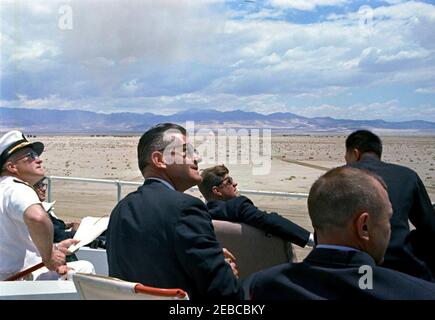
x=410 y=202
x=225 y=203
x=350 y=212
x=160 y=236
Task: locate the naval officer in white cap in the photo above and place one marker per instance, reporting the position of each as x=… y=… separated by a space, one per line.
x=26 y=231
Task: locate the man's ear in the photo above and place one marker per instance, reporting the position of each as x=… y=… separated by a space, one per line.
x=361 y=225
x=356 y=154
x=216 y=192
x=158 y=160
x=10 y=167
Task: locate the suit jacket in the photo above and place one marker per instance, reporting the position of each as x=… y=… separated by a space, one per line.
x=410 y=200
x=59 y=230
x=60 y=234
x=164 y=238
x=241 y=209
x=335 y=274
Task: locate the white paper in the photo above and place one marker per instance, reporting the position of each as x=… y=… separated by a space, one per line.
x=89 y=229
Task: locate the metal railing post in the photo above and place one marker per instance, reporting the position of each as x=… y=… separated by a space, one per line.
x=119 y=190
x=48 y=189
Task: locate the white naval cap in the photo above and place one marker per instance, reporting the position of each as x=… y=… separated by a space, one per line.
x=13 y=141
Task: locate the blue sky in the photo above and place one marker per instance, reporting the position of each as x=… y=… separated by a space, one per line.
x=338 y=58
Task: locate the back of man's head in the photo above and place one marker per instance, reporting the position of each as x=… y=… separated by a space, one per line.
x=154 y=139
x=364 y=141
x=341 y=194
x=211 y=177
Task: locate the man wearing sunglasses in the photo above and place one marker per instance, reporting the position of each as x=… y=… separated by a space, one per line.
x=26 y=232
x=162 y=237
x=225 y=203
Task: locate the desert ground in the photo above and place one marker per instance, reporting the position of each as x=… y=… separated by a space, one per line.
x=295 y=163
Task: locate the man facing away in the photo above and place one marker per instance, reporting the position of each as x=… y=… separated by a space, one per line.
x=160 y=236
x=409 y=199
x=26 y=232
x=350 y=212
x=225 y=203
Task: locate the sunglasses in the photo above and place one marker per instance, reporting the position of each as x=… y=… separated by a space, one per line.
x=188 y=150
x=40 y=185
x=229 y=179
x=31 y=155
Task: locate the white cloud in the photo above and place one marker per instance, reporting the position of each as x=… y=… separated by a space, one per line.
x=306 y=5
x=174 y=55
x=426 y=90
x=34 y=50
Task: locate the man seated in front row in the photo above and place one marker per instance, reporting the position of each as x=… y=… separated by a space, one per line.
x=350 y=212
x=26 y=232
x=62 y=230
x=225 y=203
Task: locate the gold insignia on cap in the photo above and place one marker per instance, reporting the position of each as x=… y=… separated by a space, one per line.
x=21 y=145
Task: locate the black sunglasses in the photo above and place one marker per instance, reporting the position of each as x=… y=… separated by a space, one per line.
x=40 y=184
x=229 y=179
x=188 y=150
x=32 y=155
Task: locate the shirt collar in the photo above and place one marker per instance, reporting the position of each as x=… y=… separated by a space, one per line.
x=166 y=183
x=336 y=247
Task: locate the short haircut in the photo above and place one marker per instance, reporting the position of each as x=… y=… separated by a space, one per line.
x=364 y=141
x=211 y=177
x=153 y=140
x=340 y=194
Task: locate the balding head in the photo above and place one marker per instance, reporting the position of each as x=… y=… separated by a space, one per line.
x=347 y=205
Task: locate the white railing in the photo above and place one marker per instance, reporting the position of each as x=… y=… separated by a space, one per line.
x=119 y=184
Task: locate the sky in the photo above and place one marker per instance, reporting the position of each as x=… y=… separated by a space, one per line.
x=337 y=58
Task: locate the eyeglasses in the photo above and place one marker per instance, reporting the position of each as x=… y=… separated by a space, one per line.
x=41 y=184
x=32 y=155
x=188 y=150
x=229 y=179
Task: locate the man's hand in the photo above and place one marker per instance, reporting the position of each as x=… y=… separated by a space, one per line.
x=231 y=260
x=73 y=225
x=65 y=244
x=56 y=260
x=62 y=270
x=58 y=255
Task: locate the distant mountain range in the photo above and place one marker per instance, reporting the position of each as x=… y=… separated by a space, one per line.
x=77 y=122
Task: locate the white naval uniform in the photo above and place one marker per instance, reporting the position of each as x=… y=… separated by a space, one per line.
x=17 y=250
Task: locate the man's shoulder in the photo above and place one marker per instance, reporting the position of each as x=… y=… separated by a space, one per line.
x=385 y=168
x=239 y=201
x=273 y=274
x=12 y=185
x=189 y=200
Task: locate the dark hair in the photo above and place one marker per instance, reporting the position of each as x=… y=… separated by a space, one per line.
x=364 y=141
x=341 y=193
x=153 y=140
x=211 y=177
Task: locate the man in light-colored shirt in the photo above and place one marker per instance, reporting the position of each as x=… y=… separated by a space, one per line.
x=26 y=232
